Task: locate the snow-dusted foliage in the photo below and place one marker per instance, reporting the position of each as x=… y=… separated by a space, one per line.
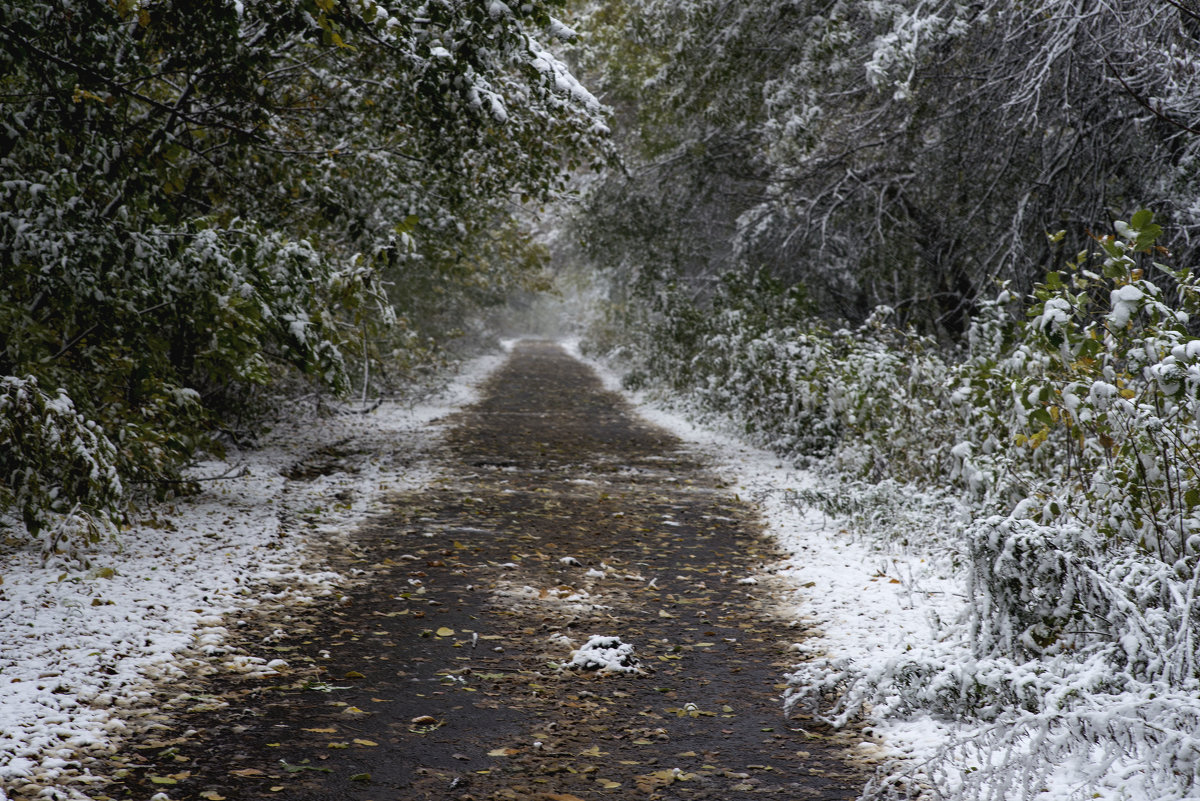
x=797 y=164
x=58 y=472
x=195 y=198
x=895 y=152
x=1069 y=430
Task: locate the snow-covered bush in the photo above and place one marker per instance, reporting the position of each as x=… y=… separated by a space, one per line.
x=200 y=200
x=1070 y=432
x=57 y=469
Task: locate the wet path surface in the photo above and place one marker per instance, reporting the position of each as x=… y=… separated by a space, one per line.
x=447 y=676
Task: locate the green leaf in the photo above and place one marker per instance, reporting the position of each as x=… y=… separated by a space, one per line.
x=1041 y=417
x=1147 y=237
x=1140 y=220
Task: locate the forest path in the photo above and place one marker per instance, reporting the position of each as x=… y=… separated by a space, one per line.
x=560 y=516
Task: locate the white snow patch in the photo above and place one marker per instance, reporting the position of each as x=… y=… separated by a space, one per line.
x=84 y=645
x=606 y=654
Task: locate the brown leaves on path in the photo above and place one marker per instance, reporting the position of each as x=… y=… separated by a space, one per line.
x=448 y=675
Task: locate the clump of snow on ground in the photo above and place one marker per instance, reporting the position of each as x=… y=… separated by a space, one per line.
x=83 y=646
x=605 y=654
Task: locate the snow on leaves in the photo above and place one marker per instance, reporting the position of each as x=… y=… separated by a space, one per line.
x=606 y=654
x=197 y=200
x=1068 y=435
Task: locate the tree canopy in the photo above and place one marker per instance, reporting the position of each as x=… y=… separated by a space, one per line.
x=198 y=196
x=905 y=153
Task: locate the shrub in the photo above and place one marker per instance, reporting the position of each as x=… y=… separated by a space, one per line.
x=57 y=469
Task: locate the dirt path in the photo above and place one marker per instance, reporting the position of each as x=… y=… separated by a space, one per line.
x=445 y=677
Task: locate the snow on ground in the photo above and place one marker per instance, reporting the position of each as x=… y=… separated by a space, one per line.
x=863 y=602
x=80 y=647
x=868 y=602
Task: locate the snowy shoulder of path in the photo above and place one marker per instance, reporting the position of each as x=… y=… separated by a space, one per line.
x=859 y=602
x=869 y=603
x=81 y=647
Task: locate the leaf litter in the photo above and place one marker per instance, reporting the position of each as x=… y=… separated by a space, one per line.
x=468 y=687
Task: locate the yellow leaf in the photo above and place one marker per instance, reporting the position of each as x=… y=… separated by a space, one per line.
x=365 y=742
x=212 y=795
x=329 y=730
x=445 y=632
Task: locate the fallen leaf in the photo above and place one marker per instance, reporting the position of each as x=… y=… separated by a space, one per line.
x=608 y=784
x=365 y=742
x=354 y=674
x=503 y=752
x=425 y=724
x=328 y=730
x=246 y=772
x=212 y=795
x=161 y=780
x=661 y=778
x=445 y=632
x=361 y=777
